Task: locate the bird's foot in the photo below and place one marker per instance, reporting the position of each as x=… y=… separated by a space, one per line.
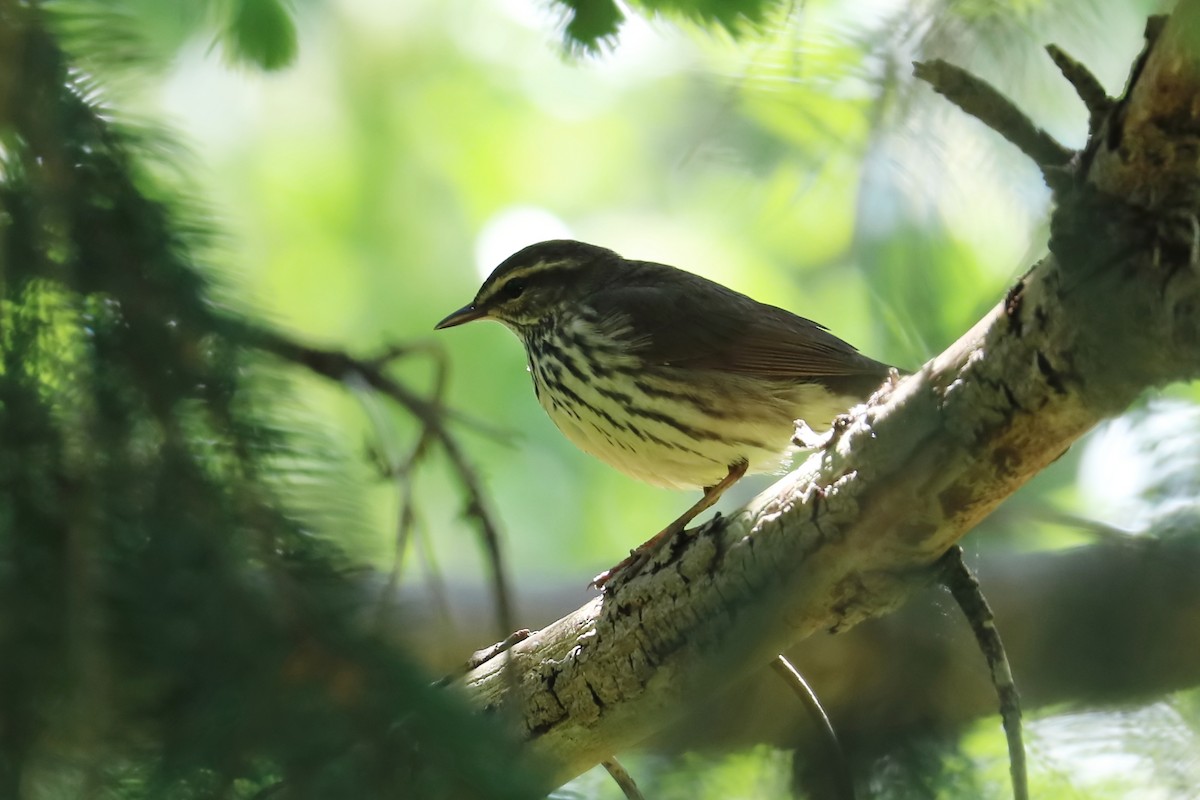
x=617 y=574
x=807 y=439
x=638 y=558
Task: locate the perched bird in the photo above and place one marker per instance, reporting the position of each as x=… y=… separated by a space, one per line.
x=671 y=378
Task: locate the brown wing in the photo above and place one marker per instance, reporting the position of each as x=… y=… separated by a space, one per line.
x=702 y=324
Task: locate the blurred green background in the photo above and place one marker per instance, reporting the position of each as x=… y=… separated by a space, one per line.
x=365 y=190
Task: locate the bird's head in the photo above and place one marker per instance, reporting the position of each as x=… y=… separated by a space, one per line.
x=538 y=283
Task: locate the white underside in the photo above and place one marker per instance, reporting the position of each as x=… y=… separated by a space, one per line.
x=665 y=456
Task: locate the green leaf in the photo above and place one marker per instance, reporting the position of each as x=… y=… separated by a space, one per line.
x=591 y=23
x=262 y=33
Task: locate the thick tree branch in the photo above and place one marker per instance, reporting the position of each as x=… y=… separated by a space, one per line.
x=853 y=531
x=1108 y=624
x=1112 y=622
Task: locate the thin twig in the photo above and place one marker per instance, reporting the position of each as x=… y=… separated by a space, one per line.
x=406 y=521
x=336 y=365
x=339 y=366
x=623 y=779
x=439 y=595
x=402 y=469
x=485 y=655
x=1087 y=86
x=957 y=577
x=982 y=101
x=843 y=778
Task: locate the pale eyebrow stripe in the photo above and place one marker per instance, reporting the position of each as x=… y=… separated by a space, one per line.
x=534 y=270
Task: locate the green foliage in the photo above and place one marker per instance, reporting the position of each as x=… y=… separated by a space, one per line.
x=260 y=32
x=254 y=33
x=167 y=630
x=928 y=766
x=594 y=23
x=591 y=23
x=761 y=773
x=174 y=625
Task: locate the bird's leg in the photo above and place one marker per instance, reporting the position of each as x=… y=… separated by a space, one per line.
x=642 y=554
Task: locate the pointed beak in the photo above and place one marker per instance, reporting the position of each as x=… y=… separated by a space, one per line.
x=464 y=314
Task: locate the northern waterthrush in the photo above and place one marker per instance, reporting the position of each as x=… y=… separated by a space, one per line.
x=667 y=376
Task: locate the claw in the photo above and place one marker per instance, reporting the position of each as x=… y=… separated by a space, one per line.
x=807 y=439
x=626 y=569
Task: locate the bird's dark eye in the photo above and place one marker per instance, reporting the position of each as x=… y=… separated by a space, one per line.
x=512 y=290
